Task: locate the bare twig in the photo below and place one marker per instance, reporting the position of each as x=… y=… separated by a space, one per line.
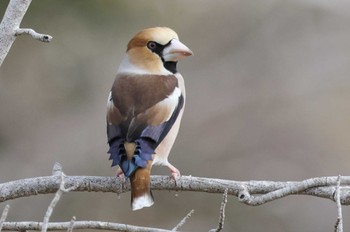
x=57 y=169
x=87 y=225
x=55 y=200
x=222 y=213
x=4 y=215
x=339 y=223
x=34 y=34
x=71 y=225
x=183 y=221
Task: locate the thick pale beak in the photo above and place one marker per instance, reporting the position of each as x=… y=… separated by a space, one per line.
x=175 y=51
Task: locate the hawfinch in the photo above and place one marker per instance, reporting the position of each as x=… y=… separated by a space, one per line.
x=145 y=107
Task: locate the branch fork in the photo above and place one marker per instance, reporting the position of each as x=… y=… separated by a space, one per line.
x=57 y=170
x=10 y=27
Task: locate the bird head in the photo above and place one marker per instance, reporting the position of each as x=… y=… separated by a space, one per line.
x=156 y=50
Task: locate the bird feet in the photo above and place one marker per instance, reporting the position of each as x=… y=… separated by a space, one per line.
x=175 y=173
x=120 y=175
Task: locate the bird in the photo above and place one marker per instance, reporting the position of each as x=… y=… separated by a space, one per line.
x=144 y=109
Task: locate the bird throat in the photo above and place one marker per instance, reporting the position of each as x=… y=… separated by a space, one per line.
x=171 y=66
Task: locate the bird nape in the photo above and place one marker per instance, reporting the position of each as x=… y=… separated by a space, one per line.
x=145 y=107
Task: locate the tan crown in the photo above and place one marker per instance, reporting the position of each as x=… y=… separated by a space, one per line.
x=160 y=35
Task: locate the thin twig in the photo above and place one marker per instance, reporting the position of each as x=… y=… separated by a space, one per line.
x=222 y=213
x=57 y=169
x=339 y=223
x=183 y=221
x=71 y=225
x=78 y=225
x=55 y=200
x=4 y=215
x=34 y=34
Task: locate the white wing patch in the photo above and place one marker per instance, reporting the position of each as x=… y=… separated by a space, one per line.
x=170 y=103
x=110 y=105
x=109 y=99
x=163 y=110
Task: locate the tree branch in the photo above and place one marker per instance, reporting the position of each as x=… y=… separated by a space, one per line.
x=339 y=223
x=314 y=186
x=57 y=197
x=222 y=213
x=324 y=187
x=183 y=221
x=249 y=192
x=4 y=215
x=92 y=225
x=71 y=225
x=9 y=26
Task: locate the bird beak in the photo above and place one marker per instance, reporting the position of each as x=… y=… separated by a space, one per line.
x=175 y=51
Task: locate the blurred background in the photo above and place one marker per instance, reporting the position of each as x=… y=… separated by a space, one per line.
x=267 y=99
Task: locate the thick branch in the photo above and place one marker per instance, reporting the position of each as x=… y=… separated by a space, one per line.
x=321 y=187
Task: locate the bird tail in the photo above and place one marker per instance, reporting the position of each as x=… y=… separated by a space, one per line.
x=141 y=195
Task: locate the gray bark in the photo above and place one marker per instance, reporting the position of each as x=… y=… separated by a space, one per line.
x=324 y=187
x=11 y=21
x=9 y=27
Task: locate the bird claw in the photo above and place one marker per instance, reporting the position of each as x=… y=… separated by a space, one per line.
x=120 y=175
x=175 y=173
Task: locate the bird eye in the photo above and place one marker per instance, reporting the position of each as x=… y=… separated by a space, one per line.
x=152 y=45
